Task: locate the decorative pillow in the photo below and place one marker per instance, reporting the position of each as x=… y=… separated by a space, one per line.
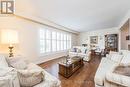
x=75 y=49
x=83 y=50
x=17 y=62
x=78 y=50
x=29 y=78
x=117 y=58
x=86 y=50
x=3 y=62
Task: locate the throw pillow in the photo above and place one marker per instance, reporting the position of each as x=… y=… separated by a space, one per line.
x=75 y=49
x=78 y=50
x=83 y=50
x=17 y=62
x=30 y=78
x=86 y=51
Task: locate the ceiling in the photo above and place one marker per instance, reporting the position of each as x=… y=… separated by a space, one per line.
x=79 y=15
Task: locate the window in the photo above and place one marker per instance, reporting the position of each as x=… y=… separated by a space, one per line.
x=42 y=41
x=65 y=42
x=53 y=41
x=62 y=42
x=58 y=41
x=48 y=41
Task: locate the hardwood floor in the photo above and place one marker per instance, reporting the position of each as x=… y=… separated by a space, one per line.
x=84 y=77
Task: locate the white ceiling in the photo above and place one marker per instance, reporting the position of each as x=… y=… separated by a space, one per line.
x=81 y=15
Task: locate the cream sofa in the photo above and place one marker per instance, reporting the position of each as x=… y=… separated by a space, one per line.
x=80 y=51
x=9 y=78
x=105 y=77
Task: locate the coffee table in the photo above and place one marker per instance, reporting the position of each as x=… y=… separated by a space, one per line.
x=66 y=69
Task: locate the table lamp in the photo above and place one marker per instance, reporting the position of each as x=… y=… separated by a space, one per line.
x=9 y=37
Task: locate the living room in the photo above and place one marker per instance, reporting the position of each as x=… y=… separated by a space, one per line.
x=64 y=43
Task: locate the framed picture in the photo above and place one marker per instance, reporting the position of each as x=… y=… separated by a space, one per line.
x=94 y=39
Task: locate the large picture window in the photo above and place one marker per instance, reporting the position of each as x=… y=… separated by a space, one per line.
x=53 y=41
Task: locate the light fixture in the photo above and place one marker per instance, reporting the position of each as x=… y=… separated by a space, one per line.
x=9 y=37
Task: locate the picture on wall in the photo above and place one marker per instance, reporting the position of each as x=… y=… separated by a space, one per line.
x=94 y=39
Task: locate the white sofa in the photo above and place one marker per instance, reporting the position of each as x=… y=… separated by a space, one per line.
x=80 y=51
x=105 y=77
x=9 y=78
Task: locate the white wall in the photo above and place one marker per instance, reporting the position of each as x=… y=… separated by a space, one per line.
x=28 y=38
x=84 y=38
x=126 y=17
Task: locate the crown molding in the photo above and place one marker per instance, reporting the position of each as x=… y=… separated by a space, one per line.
x=45 y=23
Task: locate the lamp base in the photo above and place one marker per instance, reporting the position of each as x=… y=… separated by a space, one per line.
x=11 y=51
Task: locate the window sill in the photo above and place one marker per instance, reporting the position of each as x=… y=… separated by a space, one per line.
x=51 y=53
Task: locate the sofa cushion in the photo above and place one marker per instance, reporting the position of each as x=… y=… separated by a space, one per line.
x=110 y=54
x=29 y=78
x=72 y=54
x=31 y=68
x=49 y=81
x=3 y=62
x=82 y=54
x=17 y=62
x=116 y=57
x=104 y=67
x=126 y=59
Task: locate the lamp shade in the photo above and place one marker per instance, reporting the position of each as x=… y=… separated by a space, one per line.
x=9 y=36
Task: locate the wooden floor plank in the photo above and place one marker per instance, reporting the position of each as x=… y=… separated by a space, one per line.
x=84 y=77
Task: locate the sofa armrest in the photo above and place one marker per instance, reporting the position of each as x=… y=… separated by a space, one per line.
x=118 y=79
x=9 y=79
x=49 y=80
